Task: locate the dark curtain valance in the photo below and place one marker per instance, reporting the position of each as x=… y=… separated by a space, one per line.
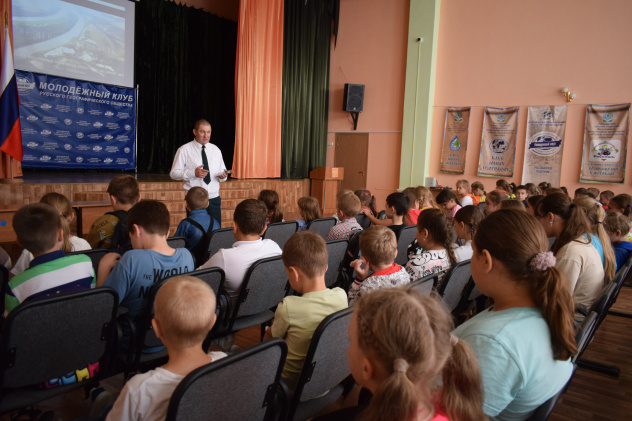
x=185 y=69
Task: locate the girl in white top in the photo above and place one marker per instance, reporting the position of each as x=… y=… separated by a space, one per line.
x=466 y=221
x=71 y=242
x=576 y=257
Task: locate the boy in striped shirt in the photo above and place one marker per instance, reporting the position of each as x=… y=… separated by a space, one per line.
x=39 y=230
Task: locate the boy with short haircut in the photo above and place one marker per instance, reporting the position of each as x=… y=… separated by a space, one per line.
x=605 y=197
x=152 y=259
x=397 y=205
x=593 y=192
x=349 y=206
x=197 y=224
x=378 y=247
x=110 y=230
x=580 y=192
x=296 y=317
x=617 y=227
x=522 y=194
x=39 y=229
x=184 y=314
x=249 y=224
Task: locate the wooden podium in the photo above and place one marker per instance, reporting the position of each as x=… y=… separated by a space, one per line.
x=325 y=187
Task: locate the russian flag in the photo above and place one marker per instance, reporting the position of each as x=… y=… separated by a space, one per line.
x=10 y=133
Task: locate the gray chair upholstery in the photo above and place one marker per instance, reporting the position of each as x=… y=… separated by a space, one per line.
x=454 y=284
x=324 y=369
x=406 y=236
x=321 y=226
x=425 y=285
x=94 y=254
x=239 y=387
x=584 y=333
x=336 y=250
x=363 y=220
x=177 y=242
x=220 y=239
x=280 y=232
x=264 y=286
x=44 y=339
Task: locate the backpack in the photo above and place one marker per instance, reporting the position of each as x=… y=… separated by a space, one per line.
x=200 y=251
x=120 y=239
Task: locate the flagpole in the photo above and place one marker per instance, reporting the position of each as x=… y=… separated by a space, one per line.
x=11 y=179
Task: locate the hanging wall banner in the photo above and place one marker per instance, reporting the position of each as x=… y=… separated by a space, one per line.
x=498 y=142
x=457 y=121
x=69 y=123
x=546 y=126
x=605 y=143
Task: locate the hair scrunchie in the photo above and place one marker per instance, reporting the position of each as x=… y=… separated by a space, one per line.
x=453 y=339
x=542 y=261
x=400 y=365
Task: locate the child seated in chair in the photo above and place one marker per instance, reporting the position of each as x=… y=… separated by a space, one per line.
x=349 y=207
x=199 y=221
x=378 y=247
x=305 y=260
x=184 y=313
x=616 y=227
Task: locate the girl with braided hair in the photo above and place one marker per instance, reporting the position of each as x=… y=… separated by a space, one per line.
x=523 y=343
x=466 y=222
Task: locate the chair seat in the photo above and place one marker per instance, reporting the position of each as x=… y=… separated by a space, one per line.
x=253 y=320
x=307 y=409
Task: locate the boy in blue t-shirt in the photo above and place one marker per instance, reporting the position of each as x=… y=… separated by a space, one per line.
x=197 y=202
x=152 y=259
x=617 y=227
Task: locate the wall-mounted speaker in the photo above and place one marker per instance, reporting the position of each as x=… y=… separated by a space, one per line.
x=353 y=98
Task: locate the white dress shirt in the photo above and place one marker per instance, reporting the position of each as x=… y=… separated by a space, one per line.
x=189 y=157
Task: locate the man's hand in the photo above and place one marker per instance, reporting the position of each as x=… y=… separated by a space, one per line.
x=201 y=172
x=222 y=175
x=106 y=265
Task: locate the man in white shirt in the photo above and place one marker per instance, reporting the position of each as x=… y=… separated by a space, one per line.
x=200 y=164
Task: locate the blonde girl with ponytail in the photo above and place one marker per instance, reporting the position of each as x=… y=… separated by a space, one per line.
x=523 y=343
x=400 y=345
x=599 y=239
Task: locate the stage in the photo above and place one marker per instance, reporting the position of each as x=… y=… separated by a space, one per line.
x=87 y=193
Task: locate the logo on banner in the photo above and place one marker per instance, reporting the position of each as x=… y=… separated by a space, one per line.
x=499 y=146
x=547 y=115
x=79 y=110
x=127 y=127
x=68 y=146
x=25 y=85
x=458 y=116
x=79 y=135
x=108 y=137
x=31 y=145
x=545 y=143
x=97 y=148
x=79 y=159
x=501 y=118
x=455 y=144
x=45 y=132
x=68 y=122
x=107 y=160
x=45 y=158
x=32 y=118
x=45 y=107
x=97 y=124
x=605 y=150
x=126 y=150
x=109 y=113
x=608 y=117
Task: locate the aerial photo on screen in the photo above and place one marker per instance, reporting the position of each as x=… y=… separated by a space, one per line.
x=60 y=38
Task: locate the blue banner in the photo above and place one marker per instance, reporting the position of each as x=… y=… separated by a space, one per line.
x=69 y=123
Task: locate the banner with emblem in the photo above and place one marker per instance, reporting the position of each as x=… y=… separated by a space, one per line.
x=69 y=123
x=605 y=143
x=546 y=126
x=457 y=121
x=498 y=142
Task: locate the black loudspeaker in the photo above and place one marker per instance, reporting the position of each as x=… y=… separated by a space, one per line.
x=353 y=98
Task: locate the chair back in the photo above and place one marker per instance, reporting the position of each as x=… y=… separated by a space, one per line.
x=48 y=338
x=264 y=286
x=336 y=251
x=177 y=242
x=585 y=333
x=425 y=285
x=280 y=232
x=220 y=239
x=406 y=236
x=325 y=365
x=213 y=277
x=454 y=284
x=363 y=220
x=94 y=254
x=238 y=387
x=321 y=226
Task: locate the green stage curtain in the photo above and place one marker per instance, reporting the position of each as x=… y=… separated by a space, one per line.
x=306 y=45
x=185 y=69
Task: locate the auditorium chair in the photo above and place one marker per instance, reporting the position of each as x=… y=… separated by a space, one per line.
x=177 y=242
x=94 y=254
x=280 y=232
x=335 y=274
x=425 y=285
x=321 y=226
x=220 y=239
x=406 y=236
x=453 y=286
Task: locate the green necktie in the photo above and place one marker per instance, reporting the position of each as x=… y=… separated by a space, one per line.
x=207 y=179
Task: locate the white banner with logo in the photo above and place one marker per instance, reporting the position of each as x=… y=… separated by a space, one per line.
x=605 y=143
x=546 y=126
x=498 y=143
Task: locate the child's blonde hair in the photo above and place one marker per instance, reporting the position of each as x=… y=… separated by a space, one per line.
x=477 y=185
x=349 y=204
x=512 y=204
x=617 y=222
x=426 y=197
x=185 y=309
x=414 y=354
x=596 y=215
x=310 y=207
x=306 y=251
x=465 y=184
x=378 y=245
x=62 y=204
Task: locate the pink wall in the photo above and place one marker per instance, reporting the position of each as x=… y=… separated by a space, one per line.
x=228 y=9
x=498 y=54
x=371 y=50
